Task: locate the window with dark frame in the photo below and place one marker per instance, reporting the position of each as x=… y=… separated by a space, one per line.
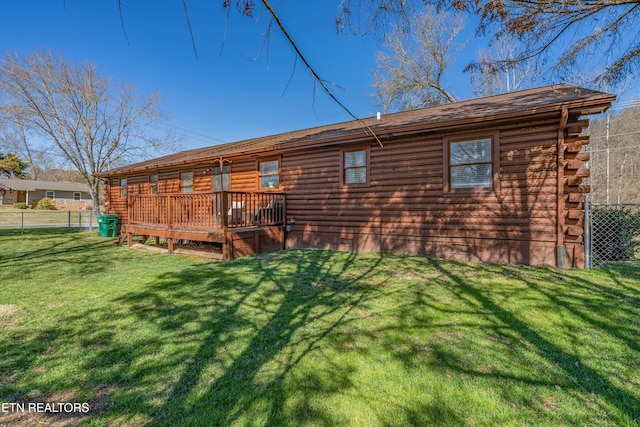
x=221 y=178
x=471 y=163
x=269 y=171
x=355 y=167
x=153 y=183
x=186 y=182
x=123 y=187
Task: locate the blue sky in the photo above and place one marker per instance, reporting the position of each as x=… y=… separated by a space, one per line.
x=228 y=93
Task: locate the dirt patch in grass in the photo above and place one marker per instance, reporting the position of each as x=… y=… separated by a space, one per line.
x=202 y=250
x=8 y=310
x=8 y=320
x=63 y=409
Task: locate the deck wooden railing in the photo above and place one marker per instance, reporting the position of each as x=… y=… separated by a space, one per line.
x=207 y=211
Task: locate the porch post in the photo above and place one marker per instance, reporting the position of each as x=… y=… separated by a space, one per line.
x=227 y=250
x=169 y=212
x=284 y=221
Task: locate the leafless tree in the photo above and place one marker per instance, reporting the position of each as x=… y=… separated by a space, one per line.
x=594 y=34
x=88 y=122
x=410 y=73
x=14 y=138
x=615 y=155
x=489 y=79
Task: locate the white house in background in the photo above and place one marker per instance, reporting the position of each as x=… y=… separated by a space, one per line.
x=67 y=195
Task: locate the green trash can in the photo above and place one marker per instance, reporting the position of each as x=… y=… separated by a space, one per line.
x=108 y=225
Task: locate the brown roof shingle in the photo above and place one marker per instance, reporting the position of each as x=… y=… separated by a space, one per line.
x=531 y=101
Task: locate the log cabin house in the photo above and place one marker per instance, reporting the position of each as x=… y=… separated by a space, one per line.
x=494 y=179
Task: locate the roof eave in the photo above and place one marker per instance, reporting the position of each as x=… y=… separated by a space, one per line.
x=583 y=106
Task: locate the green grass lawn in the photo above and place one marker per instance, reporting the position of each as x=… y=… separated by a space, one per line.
x=313 y=338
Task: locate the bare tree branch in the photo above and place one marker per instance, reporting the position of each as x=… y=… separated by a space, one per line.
x=90 y=124
x=410 y=74
x=193 y=40
x=317 y=79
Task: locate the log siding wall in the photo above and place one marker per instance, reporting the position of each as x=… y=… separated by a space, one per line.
x=404 y=207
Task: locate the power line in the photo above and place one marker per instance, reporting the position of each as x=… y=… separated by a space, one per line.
x=611 y=135
x=625 y=104
x=613 y=148
x=202 y=137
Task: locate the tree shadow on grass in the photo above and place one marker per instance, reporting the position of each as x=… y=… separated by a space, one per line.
x=582 y=378
x=26 y=255
x=211 y=343
x=275 y=306
x=258 y=341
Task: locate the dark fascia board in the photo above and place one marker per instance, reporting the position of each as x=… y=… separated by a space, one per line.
x=382 y=131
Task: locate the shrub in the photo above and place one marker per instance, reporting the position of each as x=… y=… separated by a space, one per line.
x=46 y=204
x=614 y=233
x=87 y=206
x=20 y=205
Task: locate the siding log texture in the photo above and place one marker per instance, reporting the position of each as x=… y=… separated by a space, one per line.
x=532 y=214
x=405 y=209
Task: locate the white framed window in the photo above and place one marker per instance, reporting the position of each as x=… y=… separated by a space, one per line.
x=269 y=173
x=77 y=195
x=354 y=164
x=472 y=163
x=50 y=194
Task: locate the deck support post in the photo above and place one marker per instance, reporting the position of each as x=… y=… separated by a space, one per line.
x=256 y=239
x=170 y=245
x=284 y=237
x=227 y=249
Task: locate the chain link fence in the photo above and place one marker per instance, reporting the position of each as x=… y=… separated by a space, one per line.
x=23 y=219
x=612 y=233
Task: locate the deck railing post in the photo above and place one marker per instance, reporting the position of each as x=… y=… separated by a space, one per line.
x=130 y=217
x=224 y=210
x=227 y=250
x=283 y=211
x=169 y=212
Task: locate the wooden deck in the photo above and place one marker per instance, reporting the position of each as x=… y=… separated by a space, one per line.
x=221 y=217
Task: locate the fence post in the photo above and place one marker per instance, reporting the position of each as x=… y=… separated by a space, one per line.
x=21 y=222
x=91 y=219
x=69 y=218
x=588 y=262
